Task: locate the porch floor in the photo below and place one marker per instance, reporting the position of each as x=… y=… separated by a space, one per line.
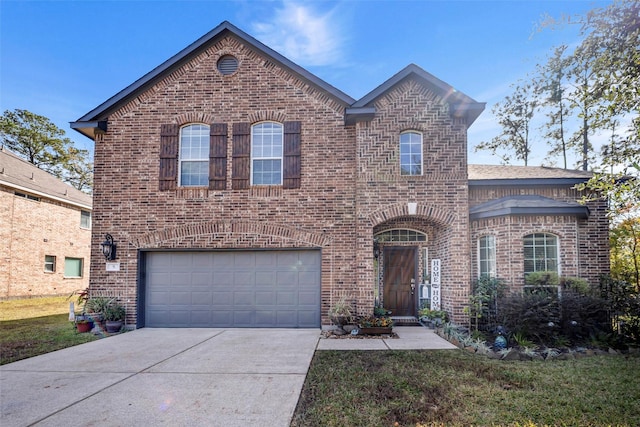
x=405 y=320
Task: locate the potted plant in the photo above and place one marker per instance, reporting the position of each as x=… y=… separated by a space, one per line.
x=372 y=325
x=340 y=313
x=433 y=317
x=82 y=322
x=114 y=315
x=96 y=306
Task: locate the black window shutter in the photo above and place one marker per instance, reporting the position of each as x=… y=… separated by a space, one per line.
x=218 y=156
x=292 y=151
x=169 y=135
x=241 y=156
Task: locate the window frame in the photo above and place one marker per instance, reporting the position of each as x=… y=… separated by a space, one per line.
x=402 y=235
x=254 y=158
x=51 y=262
x=411 y=165
x=546 y=259
x=491 y=261
x=204 y=136
x=85 y=223
x=81 y=267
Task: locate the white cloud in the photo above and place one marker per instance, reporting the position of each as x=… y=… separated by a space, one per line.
x=306 y=36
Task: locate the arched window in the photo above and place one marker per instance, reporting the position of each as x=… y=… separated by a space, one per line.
x=266 y=153
x=541 y=253
x=194 y=155
x=411 y=153
x=401 y=235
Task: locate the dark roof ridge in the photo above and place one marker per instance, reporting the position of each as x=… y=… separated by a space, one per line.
x=91 y=118
x=461 y=103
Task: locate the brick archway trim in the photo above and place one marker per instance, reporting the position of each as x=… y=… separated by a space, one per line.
x=161 y=237
x=430 y=212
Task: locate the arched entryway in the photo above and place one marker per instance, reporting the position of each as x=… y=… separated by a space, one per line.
x=401 y=268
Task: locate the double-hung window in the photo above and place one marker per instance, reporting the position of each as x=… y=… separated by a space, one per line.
x=411 y=153
x=540 y=253
x=49 y=263
x=194 y=155
x=266 y=153
x=85 y=219
x=487 y=256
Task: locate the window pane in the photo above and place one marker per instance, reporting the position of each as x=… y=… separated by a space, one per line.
x=540 y=252
x=195 y=174
x=85 y=219
x=73 y=267
x=487 y=256
x=266 y=172
x=194 y=155
x=49 y=263
x=266 y=153
x=411 y=153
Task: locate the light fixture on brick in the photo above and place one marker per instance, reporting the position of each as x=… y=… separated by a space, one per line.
x=108 y=248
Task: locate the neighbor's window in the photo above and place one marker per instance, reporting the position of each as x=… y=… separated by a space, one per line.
x=49 y=264
x=72 y=267
x=266 y=154
x=540 y=253
x=27 y=196
x=411 y=153
x=487 y=256
x=85 y=219
x=194 y=155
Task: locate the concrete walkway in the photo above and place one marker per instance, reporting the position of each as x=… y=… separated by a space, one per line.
x=212 y=377
x=409 y=338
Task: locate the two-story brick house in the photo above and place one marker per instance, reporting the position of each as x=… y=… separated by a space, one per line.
x=244 y=191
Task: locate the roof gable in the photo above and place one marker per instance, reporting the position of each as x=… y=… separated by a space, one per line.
x=460 y=104
x=94 y=121
x=21 y=175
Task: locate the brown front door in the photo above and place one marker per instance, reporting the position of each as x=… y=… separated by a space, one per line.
x=399 y=270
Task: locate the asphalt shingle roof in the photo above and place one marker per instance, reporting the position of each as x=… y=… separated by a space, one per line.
x=509 y=172
x=23 y=176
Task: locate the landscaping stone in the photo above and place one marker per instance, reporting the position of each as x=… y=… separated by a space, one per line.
x=512 y=355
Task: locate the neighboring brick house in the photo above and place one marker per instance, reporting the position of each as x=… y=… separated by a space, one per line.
x=244 y=191
x=45 y=230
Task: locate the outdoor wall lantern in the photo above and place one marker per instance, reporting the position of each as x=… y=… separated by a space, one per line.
x=376 y=248
x=108 y=248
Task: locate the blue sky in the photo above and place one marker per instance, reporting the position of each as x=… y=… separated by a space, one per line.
x=61 y=59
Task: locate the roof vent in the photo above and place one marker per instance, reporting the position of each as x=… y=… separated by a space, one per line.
x=227 y=65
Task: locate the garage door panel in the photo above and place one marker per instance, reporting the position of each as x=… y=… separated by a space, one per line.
x=265 y=298
x=233 y=289
x=201 y=298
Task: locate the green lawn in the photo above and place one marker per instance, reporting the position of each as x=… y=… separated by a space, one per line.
x=34 y=326
x=409 y=388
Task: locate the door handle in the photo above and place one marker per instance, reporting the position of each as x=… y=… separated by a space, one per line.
x=413 y=286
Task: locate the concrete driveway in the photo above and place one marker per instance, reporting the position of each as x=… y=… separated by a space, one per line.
x=213 y=377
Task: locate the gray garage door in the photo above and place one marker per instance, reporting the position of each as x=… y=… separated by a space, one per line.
x=269 y=289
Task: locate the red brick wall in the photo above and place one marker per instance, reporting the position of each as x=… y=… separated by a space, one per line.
x=29 y=230
x=440 y=193
x=584 y=243
x=128 y=205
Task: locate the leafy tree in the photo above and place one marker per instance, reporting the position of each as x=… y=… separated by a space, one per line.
x=550 y=87
x=514 y=115
x=608 y=62
x=625 y=251
x=42 y=143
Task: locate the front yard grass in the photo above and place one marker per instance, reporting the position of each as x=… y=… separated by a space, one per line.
x=409 y=388
x=30 y=327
